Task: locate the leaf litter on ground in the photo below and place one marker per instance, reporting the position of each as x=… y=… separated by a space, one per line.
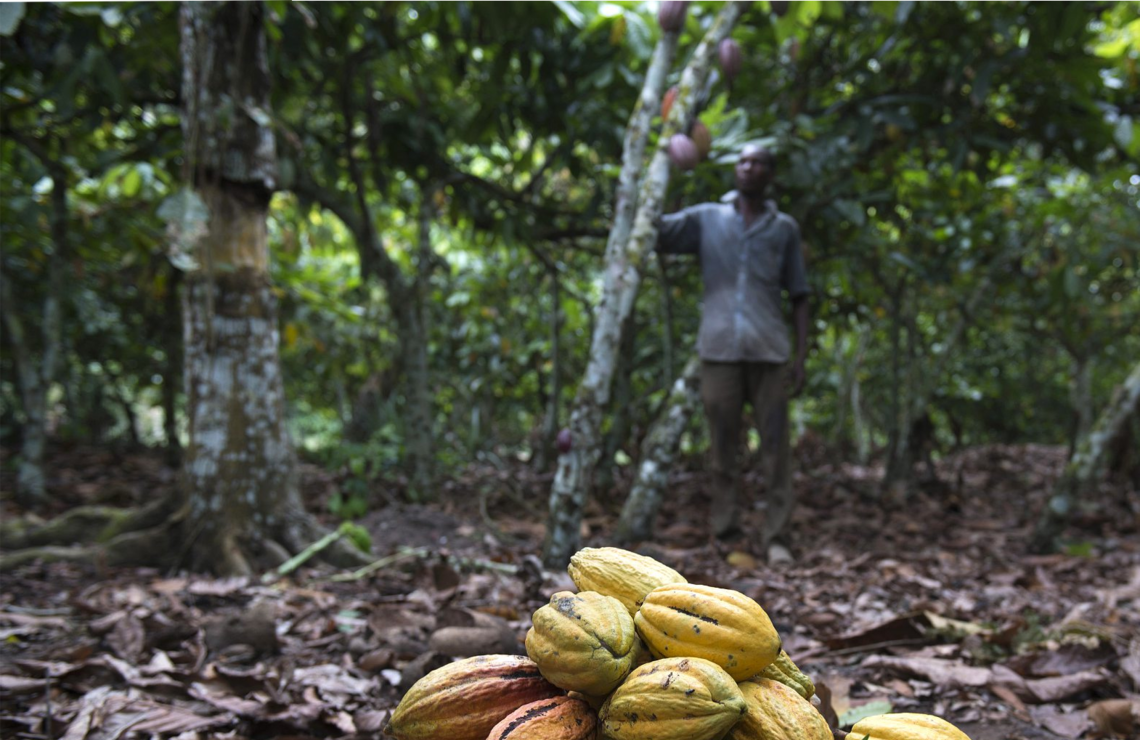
x=880 y=609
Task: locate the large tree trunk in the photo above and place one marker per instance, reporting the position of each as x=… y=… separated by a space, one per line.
x=625 y=260
x=242 y=506
x=639 y=514
x=35 y=372
x=1088 y=461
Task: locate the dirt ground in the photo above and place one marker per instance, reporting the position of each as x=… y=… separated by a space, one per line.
x=932 y=606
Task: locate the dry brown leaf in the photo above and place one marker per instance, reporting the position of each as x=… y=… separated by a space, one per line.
x=945 y=673
x=1116 y=717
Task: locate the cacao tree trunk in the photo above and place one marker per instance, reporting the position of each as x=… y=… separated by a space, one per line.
x=900 y=467
x=550 y=427
x=419 y=419
x=1087 y=463
x=171 y=374
x=639 y=514
x=625 y=261
x=242 y=507
x=1081 y=399
x=35 y=379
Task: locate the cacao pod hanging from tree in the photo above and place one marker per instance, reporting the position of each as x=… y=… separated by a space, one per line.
x=779 y=7
x=667 y=102
x=671 y=16
x=701 y=138
x=731 y=59
x=683 y=152
x=565 y=441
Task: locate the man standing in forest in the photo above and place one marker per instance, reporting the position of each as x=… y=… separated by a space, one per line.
x=750 y=253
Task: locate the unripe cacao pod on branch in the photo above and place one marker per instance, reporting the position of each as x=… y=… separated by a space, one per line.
x=731 y=59
x=683 y=152
x=671 y=16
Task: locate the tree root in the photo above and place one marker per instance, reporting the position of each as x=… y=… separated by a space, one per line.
x=156 y=536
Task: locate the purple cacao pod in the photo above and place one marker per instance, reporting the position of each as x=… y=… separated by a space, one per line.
x=564 y=442
x=779 y=7
x=683 y=152
x=730 y=58
x=671 y=16
x=701 y=138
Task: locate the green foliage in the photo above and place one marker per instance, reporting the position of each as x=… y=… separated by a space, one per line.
x=929 y=150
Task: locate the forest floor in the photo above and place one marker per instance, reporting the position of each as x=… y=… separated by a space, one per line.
x=934 y=606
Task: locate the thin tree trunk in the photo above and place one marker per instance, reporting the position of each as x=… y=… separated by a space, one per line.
x=658 y=450
x=550 y=428
x=624 y=265
x=923 y=380
x=1081 y=398
x=667 y=351
x=172 y=337
x=35 y=379
x=418 y=418
x=621 y=413
x=1087 y=463
x=242 y=503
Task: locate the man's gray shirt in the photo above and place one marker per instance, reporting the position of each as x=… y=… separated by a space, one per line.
x=744 y=271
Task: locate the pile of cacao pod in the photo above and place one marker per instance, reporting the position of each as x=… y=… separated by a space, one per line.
x=638 y=653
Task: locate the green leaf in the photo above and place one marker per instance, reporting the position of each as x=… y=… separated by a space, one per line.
x=572 y=14
x=10 y=16
x=863 y=711
x=132 y=182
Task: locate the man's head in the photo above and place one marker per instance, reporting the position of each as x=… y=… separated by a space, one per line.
x=755 y=170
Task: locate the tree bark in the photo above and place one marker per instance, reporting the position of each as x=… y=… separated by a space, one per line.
x=34 y=379
x=554 y=405
x=639 y=514
x=625 y=260
x=419 y=417
x=1087 y=463
x=241 y=501
x=172 y=369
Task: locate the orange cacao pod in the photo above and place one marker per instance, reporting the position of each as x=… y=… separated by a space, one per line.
x=667 y=102
x=702 y=138
x=560 y=718
x=465 y=699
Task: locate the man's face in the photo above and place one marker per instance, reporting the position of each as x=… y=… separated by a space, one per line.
x=754 y=170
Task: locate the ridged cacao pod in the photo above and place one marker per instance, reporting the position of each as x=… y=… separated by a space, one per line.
x=564 y=441
x=789 y=674
x=905 y=726
x=701 y=138
x=619 y=573
x=671 y=16
x=730 y=58
x=560 y=718
x=465 y=699
x=775 y=712
x=583 y=642
x=673 y=699
x=717 y=624
x=779 y=7
x=667 y=102
x=683 y=152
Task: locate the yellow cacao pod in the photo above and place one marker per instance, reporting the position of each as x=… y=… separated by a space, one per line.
x=583 y=642
x=622 y=574
x=905 y=726
x=560 y=718
x=465 y=699
x=787 y=673
x=673 y=699
x=717 y=624
x=776 y=712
